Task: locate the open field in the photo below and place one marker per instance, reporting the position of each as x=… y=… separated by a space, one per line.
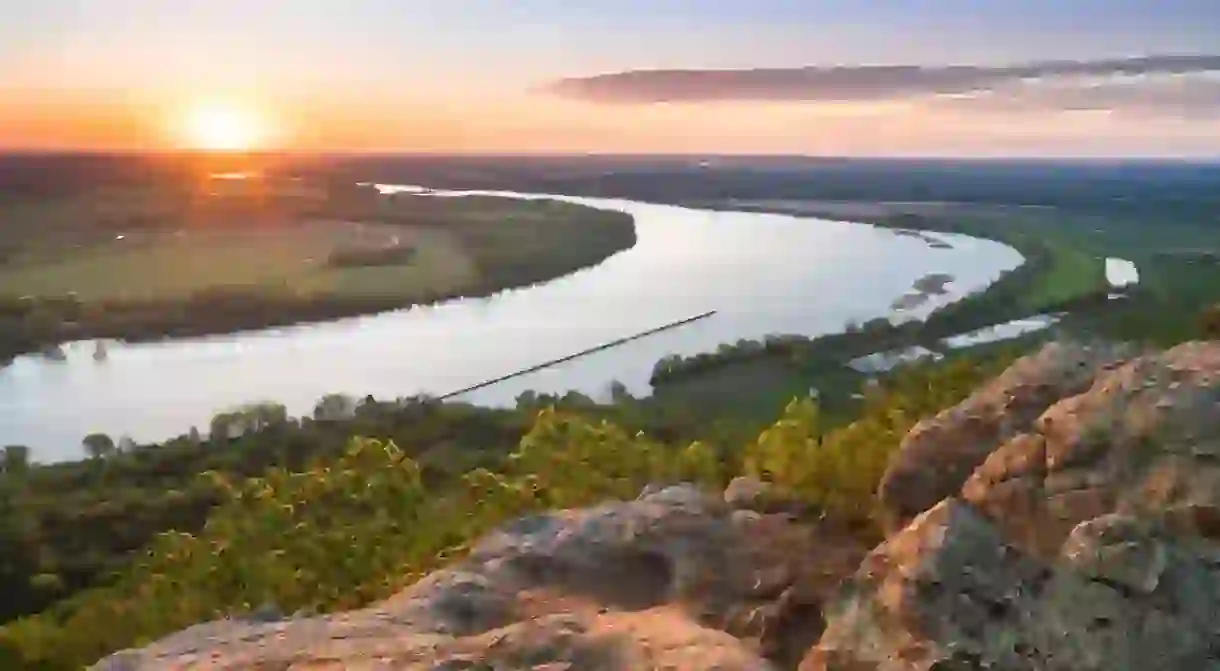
x=138 y=264
x=155 y=265
x=1073 y=273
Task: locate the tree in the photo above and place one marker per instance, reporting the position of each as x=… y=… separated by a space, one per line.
x=619 y=394
x=99 y=446
x=221 y=427
x=368 y=407
x=334 y=407
x=527 y=400
x=259 y=416
x=15 y=459
x=47 y=583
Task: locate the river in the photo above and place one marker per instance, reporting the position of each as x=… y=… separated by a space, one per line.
x=761 y=273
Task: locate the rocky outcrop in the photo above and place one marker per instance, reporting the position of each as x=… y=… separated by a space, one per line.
x=677 y=579
x=948 y=592
x=1143 y=440
x=1087 y=540
x=1066 y=517
x=941 y=452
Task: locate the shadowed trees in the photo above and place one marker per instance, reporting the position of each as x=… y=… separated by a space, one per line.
x=15 y=459
x=99 y=446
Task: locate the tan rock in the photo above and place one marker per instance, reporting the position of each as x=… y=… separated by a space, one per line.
x=1116 y=447
x=674 y=579
x=744 y=492
x=941 y=452
x=1064 y=517
x=1087 y=541
x=947 y=592
x=1118 y=550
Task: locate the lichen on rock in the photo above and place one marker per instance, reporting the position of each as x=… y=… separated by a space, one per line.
x=674 y=579
x=1066 y=517
x=1084 y=538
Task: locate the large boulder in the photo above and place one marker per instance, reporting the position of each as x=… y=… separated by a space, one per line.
x=939 y=453
x=1144 y=440
x=1088 y=540
x=676 y=579
x=948 y=592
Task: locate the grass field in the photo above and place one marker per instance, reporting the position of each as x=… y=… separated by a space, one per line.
x=289 y=257
x=149 y=246
x=1074 y=272
x=139 y=266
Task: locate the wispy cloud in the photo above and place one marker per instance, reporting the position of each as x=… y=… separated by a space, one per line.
x=861 y=83
x=1191 y=96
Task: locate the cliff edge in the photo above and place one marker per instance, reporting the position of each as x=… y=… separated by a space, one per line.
x=1065 y=516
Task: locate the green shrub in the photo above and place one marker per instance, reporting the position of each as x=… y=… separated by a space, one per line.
x=361 y=527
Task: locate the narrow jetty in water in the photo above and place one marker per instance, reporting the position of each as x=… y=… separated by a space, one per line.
x=586 y=352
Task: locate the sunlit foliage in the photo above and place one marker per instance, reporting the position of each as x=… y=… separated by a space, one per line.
x=354 y=529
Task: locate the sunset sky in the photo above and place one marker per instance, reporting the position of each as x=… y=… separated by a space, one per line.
x=1049 y=77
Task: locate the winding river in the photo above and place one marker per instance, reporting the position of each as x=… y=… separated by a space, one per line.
x=761 y=273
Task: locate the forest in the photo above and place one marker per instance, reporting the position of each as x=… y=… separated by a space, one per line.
x=261 y=510
x=311 y=514
x=302 y=516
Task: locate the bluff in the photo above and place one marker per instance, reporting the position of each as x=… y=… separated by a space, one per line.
x=1065 y=516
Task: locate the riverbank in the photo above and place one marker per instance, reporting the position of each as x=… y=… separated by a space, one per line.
x=1085 y=276
x=1021 y=292
x=1159 y=291
x=1061 y=275
x=193 y=277
x=753 y=270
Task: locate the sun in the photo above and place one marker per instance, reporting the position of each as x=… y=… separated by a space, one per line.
x=223 y=127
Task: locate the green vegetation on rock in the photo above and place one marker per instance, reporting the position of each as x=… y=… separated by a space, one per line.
x=341 y=531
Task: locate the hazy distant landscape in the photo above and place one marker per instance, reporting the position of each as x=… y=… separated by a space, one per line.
x=80 y=249
x=75 y=259
x=123 y=247
x=214 y=255
x=609 y=335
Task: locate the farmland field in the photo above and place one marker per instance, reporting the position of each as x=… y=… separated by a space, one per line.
x=160 y=261
x=155 y=265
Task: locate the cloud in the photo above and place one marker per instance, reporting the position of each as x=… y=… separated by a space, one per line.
x=855 y=83
x=1187 y=97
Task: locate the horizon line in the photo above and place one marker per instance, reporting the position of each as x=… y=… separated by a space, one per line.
x=406 y=153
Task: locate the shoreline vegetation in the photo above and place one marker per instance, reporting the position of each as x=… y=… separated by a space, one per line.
x=148 y=266
x=346 y=506
x=1058 y=276
x=1062 y=282
x=1013 y=295
x=245 y=442
x=71 y=528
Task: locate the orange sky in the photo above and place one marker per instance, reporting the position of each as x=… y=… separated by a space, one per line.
x=457 y=75
x=100 y=119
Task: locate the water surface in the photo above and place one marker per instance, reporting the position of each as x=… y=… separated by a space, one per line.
x=1121 y=272
x=762 y=273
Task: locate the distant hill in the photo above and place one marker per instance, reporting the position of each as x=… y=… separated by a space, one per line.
x=1190 y=189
